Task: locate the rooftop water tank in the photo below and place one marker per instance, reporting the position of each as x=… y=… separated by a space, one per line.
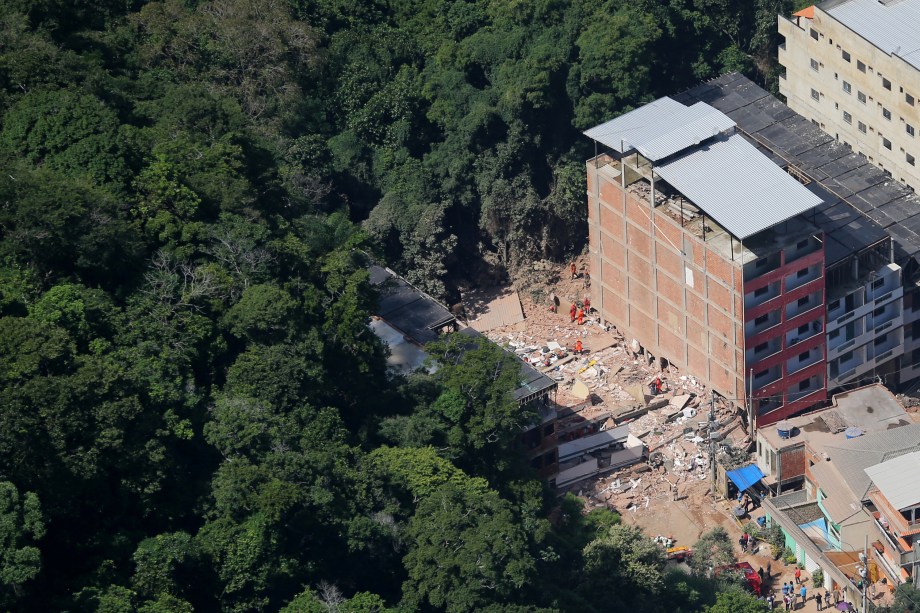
x=853 y=432
x=784 y=429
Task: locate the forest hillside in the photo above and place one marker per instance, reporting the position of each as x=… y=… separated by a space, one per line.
x=193 y=413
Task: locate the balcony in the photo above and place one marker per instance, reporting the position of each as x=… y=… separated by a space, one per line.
x=882 y=344
x=804 y=332
x=814 y=386
x=897 y=549
x=841 y=343
x=883 y=285
x=803 y=305
x=798 y=363
x=771 y=348
x=755 y=299
x=801 y=249
x=891 y=313
x=803 y=276
x=767 y=377
x=761 y=324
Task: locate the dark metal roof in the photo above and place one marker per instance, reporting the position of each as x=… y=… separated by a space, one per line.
x=411 y=311
x=419 y=317
x=846 y=177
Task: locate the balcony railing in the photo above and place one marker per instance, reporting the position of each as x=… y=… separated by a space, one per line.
x=800 y=394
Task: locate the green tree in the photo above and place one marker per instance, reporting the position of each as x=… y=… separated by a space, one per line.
x=264 y=313
x=59 y=225
x=465 y=551
x=74 y=133
x=906 y=599
x=162 y=565
x=736 y=600
x=21 y=527
x=614 y=68
x=624 y=565
x=713 y=549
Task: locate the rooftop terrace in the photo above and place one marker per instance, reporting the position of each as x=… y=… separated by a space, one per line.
x=842 y=178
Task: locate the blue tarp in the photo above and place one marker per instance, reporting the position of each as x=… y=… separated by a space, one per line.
x=745 y=476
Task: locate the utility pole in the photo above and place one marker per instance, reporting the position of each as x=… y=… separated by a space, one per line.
x=865 y=578
x=712 y=442
x=916 y=568
x=750 y=403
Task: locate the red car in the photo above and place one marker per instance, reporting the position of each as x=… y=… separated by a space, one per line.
x=751 y=578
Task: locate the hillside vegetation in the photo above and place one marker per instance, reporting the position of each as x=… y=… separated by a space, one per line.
x=193 y=413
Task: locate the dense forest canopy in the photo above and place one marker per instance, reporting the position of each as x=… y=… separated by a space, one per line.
x=194 y=414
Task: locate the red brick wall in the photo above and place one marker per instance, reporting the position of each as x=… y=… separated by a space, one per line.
x=643 y=281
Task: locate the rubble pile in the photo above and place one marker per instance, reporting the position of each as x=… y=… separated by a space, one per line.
x=613 y=383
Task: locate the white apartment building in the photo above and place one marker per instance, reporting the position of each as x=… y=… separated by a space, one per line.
x=853 y=68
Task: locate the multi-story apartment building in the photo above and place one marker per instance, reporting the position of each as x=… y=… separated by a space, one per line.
x=861 y=495
x=873 y=224
x=853 y=68
x=762 y=257
x=702 y=251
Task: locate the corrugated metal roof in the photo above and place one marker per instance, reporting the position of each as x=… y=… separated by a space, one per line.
x=661 y=128
x=577 y=473
x=593 y=442
x=825 y=161
x=839 y=501
x=898 y=480
x=892 y=28
x=852 y=456
x=738 y=186
x=745 y=476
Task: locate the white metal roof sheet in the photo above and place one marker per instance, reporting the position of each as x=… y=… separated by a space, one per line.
x=661 y=128
x=898 y=479
x=738 y=186
x=577 y=473
x=593 y=442
x=892 y=28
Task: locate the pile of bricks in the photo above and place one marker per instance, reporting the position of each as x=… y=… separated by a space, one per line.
x=612 y=379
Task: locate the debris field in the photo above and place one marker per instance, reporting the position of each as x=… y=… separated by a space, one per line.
x=613 y=381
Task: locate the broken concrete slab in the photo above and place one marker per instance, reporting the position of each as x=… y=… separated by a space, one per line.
x=580 y=390
x=637 y=391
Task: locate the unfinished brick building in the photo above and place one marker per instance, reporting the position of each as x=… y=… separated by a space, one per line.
x=703 y=251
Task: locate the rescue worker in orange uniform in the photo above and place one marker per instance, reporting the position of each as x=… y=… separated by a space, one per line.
x=572 y=312
x=578 y=347
x=587 y=305
x=581 y=316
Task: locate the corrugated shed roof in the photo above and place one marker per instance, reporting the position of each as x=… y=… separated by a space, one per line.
x=852 y=456
x=738 y=186
x=419 y=316
x=577 y=473
x=891 y=27
x=406 y=308
x=824 y=160
x=898 y=480
x=839 y=501
x=745 y=476
x=661 y=128
x=592 y=442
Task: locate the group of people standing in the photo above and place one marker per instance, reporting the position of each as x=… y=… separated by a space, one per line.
x=579 y=314
x=791 y=599
x=796 y=594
